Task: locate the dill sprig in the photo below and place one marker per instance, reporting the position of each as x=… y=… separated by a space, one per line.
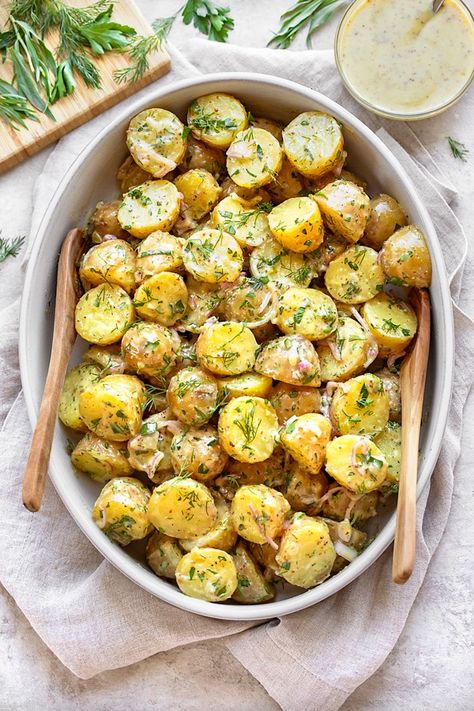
x=458 y=149
x=141 y=48
x=10 y=247
x=304 y=13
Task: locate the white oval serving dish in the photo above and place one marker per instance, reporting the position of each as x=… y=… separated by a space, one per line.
x=92 y=178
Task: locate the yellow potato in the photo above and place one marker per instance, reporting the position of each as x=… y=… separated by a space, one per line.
x=306 y=553
x=391 y=385
x=258 y=513
x=246 y=385
x=100 y=459
x=163 y=555
x=270 y=472
x=212 y=256
x=216 y=119
x=345 y=352
x=159 y=252
x=226 y=348
x=290 y=400
x=280 y=266
x=331 y=247
x=223 y=534
x=291 y=359
x=305 y=437
x=405 y=258
x=111 y=262
x=149 y=207
x=391 y=321
x=203 y=300
x=307 y=312
x=254 y=158
x=150 y=450
x=104 y=221
x=342 y=505
x=389 y=441
x=121 y=510
x=162 y=298
x=287 y=184
x=197 y=452
x=200 y=192
x=76 y=381
x=252 y=588
x=245 y=220
x=208 y=574
x=247 y=429
x=269 y=125
x=355 y=275
x=107 y=358
x=313 y=143
x=304 y=489
x=129 y=175
x=199 y=155
x=345 y=209
x=182 y=507
x=103 y=314
x=150 y=349
x=112 y=408
x=360 y=406
x=193 y=396
x=356 y=463
x=156 y=140
x=297 y=224
x=385 y=217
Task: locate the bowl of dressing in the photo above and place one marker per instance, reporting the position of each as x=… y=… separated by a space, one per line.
x=401 y=60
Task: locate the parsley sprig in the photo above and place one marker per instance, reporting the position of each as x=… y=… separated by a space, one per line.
x=304 y=13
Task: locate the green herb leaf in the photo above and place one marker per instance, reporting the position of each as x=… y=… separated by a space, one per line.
x=103 y=35
x=210 y=19
x=458 y=149
x=304 y=13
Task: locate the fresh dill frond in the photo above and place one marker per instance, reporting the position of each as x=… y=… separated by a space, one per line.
x=458 y=149
x=10 y=247
x=140 y=50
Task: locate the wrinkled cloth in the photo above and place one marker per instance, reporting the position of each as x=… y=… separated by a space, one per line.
x=90 y=615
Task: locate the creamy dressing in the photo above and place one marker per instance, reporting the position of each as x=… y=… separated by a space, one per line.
x=402 y=58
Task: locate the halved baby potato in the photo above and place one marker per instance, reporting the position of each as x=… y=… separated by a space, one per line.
x=391 y=321
x=150 y=450
x=148 y=207
x=156 y=141
x=192 y=395
x=269 y=125
x=129 y=175
x=150 y=349
x=290 y=400
x=76 y=381
x=345 y=209
x=258 y=513
x=247 y=428
x=246 y=385
x=208 y=574
x=306 y=554
x=200 y=191
x=121 y=510
x=100 y=459
x=162 y=298
x=107 y=358
x=112 y=408
x=305 y=437
x=287 y=184
x=308 y=312
x=252 y=588
x=386 y=216
x=389 y=441
x=405 y=258
x=356 y=463
x=355 y=276
x=226 y=348
x=280 y=266
x=163 y=555
x=222 y=535
x=246 y=220
x=304 y=489
x=159 y=252
x=313 y=143
x=103 y=314
x=182 y=507
x=197 y=452
x=216 y=119
x=345 y=351
x=360 y=406
x=297 y=224
x=254 y=158
x=291 y=359
x=110 y=262
x=212 y=256
x=200 y=155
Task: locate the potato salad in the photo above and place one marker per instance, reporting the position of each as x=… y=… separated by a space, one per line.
x=246 y=306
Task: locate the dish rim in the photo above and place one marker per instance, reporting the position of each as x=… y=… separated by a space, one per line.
x=113 y=553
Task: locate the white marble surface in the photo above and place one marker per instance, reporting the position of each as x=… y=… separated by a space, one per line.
x=433 y=663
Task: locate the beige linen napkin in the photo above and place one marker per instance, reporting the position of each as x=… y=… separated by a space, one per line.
x=91 y=616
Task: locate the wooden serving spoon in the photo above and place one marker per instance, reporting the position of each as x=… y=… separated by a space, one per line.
x=412 y=385
x=64 y=335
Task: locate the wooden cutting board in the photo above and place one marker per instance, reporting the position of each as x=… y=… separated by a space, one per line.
x=84 y=103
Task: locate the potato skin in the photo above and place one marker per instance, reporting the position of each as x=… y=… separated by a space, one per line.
x=348 y=351
x=104 y=221
x=304 y=489
x=121 y=510
x=291 y=359
x=112 y=408
x=345 y=209
x=252 y=588
x=192 y=396
x=198 y=453
x=297 y=224
x=103 y=314
x=405 y=258
x=150 y=450
x=391 y=385
x=258 y=512
x=76 y=381
x=182 y=508
x=306 y=553
x=208 y=574
x=150 y=349
x=247 y=429
x=106 y=358
x=341 y=505
x=385 y=217
x=111 y=262
x=129 y=175
x=313 y=143
x=163 y=555
x=391 y=321
x=360 y=406
x=389 y=441
x=287 y=184
x=226 y=348
x=199 y=155
x=100 y=459
x=290 y=400
x=305 y=438
x=308 y=312
x=270 y=472
x=369 y=470
x=222 y=536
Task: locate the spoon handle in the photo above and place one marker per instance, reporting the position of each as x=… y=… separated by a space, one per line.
x=34 y=477
x=412 y=382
